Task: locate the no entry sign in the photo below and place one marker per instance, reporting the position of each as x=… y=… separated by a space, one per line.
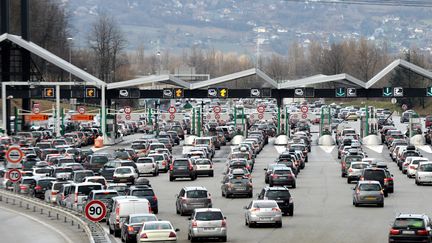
x=217 y=109
x=172 y=110
x=304 y=109
x=261 y=109
x=304 y=115
x=81 y=110
x=95 y=210
x=172 y=116
x=260 y=116
x=14 y=155
x=127 y=109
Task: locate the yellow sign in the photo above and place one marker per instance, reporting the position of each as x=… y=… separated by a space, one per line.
x=223 y=93
x=179 y=93
x=49 y=92
x=90 y=92
x=38 y=117
x=83 y=117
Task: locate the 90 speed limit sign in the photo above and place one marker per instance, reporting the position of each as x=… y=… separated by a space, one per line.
x=95 y=210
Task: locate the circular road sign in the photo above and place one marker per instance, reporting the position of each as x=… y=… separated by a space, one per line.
x=304 y=109
x=36 y=108
x=217 y=116
x=127 y=109
x=252 y=116
x=172 y=116
x=217 y=109
x=393 y=101
x=172 y=110
x=81 y=110
x=95 y=210
x=404 y=107
x=261 y=109
x=14 y=175
x=14 y=155
x=261 y=116
x=127 y=117
x=304 y=116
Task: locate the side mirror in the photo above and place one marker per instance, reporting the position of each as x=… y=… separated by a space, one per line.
x=177 y=230
x=352 y=188
x=225 y=218
x=176 y=195
x=190 y=218
x=245 y=207
x=265 y=169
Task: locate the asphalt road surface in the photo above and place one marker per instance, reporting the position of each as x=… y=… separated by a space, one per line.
x=323 y=201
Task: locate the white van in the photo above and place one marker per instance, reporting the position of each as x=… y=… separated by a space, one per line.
x=77 y=194
x=122 y=208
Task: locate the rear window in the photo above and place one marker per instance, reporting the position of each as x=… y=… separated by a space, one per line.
x=359 y=166
x=63 y=170
x=81 y=175
x=411 y=153
x=85 y=190
x=370 y=187
x=157 y=226
x=425 y=168
x=141 y=219
x=44 y=183
x=202 y=162
x=202 y=141
x=416 y=162
x=99 y=159
x=138 y=146
x=144 y=161
x=208 y=216
x=99 y=180
x=282 y=172
x=265 y=205
x=411 y=223
x=57 y=186
x=273 y=194
x=105 y=195
x=157 y=157
x=239 y=180
x=196 y=194
x=142 y=193
x=181 y=163
x=350 y=159
x=42 y=171
x=123 y=171
x=374 y=175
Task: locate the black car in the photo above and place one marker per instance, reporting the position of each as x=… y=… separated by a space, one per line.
x=380 y=175
x=182 y=168
x=144 y=191
x=410 y=228
x=132 y=225
x=282 y=197
x=42 y=184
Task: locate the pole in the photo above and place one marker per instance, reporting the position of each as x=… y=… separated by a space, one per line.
x=279 y=120
x=4 y=108
x=103 y=114
x=367 y=121
x=57 y=111
x=16 y=120
x=62 y=132
x=193 y=121
x=199 y=123
x=235 y=117
x=286 y=122
x=243 y=121
x=150 y=121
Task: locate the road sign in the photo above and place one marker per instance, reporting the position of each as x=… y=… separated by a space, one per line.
x=127 y=109
x=212 y=93
x=217 y=109
x=304 y=109
x=80 y=117
x=429 y=91
x=95 y=210
x=217 y=116
x=223 y=93
x=340 y=92
x=172 y=110
x=90 y=92
x=299 y=92
x=48 y=92
x=81 y=110
x=387 y=92
x=398 y=92
x=123 y=93
x=351 y=92
x=14 y=175
x=128 y=117
x=255 y=93
x=167 y=94
x=304 y=115
x=252 y=116
x=38 y=117
x=266 y=93
x=178 y=92
x=393 y=101
x=36 y=108
x=260 y=116
x=261 y=109
x=172 y=116
x=14 y=155
x=404 y=107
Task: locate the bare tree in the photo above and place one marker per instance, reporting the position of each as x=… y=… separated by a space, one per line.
x=107 y=41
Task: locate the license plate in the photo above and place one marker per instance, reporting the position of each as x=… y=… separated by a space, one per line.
x=265 y=219
x=370 y=198
x=241 y=188
x=282 y=177
x=408 y=232
x=209 y=228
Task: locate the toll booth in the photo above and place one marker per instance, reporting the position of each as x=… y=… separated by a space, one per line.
x=325 y=121
x=414 y=125
x=369 y=122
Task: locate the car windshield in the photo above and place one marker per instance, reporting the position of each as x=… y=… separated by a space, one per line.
x=43 y=171
x=208 y=216
x=97 y=180
x=105 y=195
x=85 y=190
x=142 y=219
x=44 y=183
x=273 y=194
x=99 y=159
x=196 y=194
x=79 y=176
x=58 y=185
x=142 y=193
x=265 y=205
x=425 y=168
x=144 y=161
x=411 y=223
x=138 y=146
x=123 y=171
x=202 y=162
x=370 y=187
x=350 y=159
x=359 y=166
x=121 y=155
x=157 y=226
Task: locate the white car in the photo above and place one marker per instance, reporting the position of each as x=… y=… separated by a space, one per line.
x=424 y=173
x=412 y=167
x=157 y=231
x=147 y=165
x=204 y=167
x=125 y=174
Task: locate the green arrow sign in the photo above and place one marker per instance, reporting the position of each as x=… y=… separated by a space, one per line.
x=340 y=92
x=429 y=91
x=387 y=91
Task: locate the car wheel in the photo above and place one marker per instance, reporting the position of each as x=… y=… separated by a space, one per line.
x=291 y=212
x=266 y=180
x=155 y=173
x=385 y=193
x=116 y=233
x=156 y=211
x=271 y=184
x=250 y=195
x=294 y=185
x=223 y=239
x=110 y=230
x=391 y=190
x=246 y=222
x=356 y=204
x=348 y=181
x=211 y=174
x=279 y=224
x=193 y=239
x=381 y=205
x=171 y=178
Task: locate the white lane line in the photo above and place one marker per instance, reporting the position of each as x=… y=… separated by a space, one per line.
x=425 y=148
x=327 y=149
x=40 y=222
x=280 y=149
x=376 y=148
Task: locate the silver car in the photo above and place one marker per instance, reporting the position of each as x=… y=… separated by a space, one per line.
x=355 y=171
x=263 y=212
x=424 y=173
x=368 y=192
x=207 y=223
x=191 y=198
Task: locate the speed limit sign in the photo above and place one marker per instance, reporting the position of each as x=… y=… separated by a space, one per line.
x=95 y=210
x=14 y=175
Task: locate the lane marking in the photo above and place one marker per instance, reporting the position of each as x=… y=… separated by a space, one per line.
x=40 y=222
x=375 y=148
x=280 y=149
x=327 y=149
x=425 y=148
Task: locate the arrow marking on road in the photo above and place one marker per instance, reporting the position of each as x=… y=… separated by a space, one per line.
x=375 y=148
x=327 y=149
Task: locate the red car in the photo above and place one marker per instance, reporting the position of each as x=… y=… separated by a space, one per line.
x=428 y=121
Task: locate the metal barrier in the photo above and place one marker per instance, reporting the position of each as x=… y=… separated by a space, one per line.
x=94 y=231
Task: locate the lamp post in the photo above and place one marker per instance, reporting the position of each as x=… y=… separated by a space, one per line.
x=70 y=39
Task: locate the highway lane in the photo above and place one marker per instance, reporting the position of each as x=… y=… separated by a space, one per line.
x=323 y=202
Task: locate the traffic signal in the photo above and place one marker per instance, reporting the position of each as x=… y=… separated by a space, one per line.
x=48 y=92
x=223 y=93
x=178 y=92
x=90 y=92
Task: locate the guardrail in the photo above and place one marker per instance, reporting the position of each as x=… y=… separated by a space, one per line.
x=94 y=231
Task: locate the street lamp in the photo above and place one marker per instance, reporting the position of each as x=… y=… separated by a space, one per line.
x=70 y=39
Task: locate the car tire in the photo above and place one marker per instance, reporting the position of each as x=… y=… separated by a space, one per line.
x=171 y=178
x=266 y=180
x=356 y=204
x=110 y=230
x=211 y=174
x=385 y=193
x=156 y=211
x=246 y=222
x=193 y=239
x=155 y=173
x=223 y=239
x=291 y=212
x=116 y=233
x=278 y=224
x=250 y=195
x=391 y=190
x=271 y=184
x=381 y=205
x=294 y=185
x=348 y=181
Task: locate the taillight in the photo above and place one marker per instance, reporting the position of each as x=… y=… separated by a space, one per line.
x=117 y=214
x=394 y=231
x=362 y=178
x=276 y=210
x=131 y=229
x=144 y=236
x=350 y=170
x=223 y=223
x=211 y=166
x=154 y=198
x=194 y=224
x=171 y=167
x=38 y=188
x=422 y=232
x=412 y=167
x=172 y=234
x=164 y=163
x=190 y=167
x=23 y=187
x=255 y=210
x=275 y=176
x=53 y=193
x=76 y=197
x=150 y=209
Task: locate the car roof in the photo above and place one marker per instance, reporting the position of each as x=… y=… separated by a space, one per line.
x=141 y=214
x=409 y=215
x=104 y=191
x=208 y=210
x=192 y=188
x=369 y=182
x=276 y=188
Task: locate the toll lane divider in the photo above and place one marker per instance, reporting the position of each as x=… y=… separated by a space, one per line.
x=94 y=231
